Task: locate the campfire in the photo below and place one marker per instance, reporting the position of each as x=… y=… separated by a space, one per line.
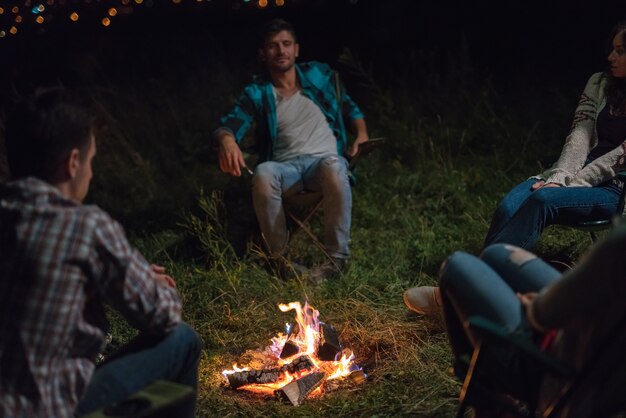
x=299 y=362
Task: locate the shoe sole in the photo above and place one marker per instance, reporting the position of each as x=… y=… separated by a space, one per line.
x=416 y=309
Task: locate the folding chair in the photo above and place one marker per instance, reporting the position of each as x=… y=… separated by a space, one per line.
x=603 y=376
x=594 y=226
x=153 y=401
x=301 y=208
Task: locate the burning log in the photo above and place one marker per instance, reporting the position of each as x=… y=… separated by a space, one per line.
x=248 y=377
x=297 y=391
x=291 y=346
x=329 y=345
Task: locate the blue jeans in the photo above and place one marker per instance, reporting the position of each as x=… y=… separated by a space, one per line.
x=143 y=360
x=273 y=181
x=523 y=214
x=488 y=286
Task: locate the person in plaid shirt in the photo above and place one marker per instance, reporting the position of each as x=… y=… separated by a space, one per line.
x=60 y=262
x=299 y=111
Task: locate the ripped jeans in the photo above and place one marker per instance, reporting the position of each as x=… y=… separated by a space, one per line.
x=273 y=181
x=488 y=286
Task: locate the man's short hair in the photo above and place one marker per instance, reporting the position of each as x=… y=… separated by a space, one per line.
x=42 y=130
x=272 y=28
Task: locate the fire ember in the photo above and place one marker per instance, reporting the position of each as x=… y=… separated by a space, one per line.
x=299 y=363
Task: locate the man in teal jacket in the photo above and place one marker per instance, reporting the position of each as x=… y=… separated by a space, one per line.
x=299 y=111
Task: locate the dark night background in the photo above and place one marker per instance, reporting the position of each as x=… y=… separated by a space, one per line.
x=512 y=41
x=166 y=72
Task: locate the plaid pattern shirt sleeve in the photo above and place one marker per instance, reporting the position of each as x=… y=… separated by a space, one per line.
x=126 y=282
x=59 y=261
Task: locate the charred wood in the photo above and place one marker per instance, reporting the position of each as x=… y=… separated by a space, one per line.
x=295 y=392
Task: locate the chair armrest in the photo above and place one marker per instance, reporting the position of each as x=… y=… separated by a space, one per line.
x=365 y=148
x=493 y=332
x=621 y=175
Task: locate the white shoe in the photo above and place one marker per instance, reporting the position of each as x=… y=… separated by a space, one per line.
x=424 y=300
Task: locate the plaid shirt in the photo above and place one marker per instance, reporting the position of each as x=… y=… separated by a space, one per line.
x=257 y=103
x=59 y=262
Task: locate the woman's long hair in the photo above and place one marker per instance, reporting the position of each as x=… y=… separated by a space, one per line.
x=616 y=87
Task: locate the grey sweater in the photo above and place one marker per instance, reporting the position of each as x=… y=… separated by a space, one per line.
x=583 y=137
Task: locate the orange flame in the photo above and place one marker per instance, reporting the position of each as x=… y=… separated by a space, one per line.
x=306 y=337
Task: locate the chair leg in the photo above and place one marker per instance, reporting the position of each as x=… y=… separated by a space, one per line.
x=311 y=235
x=467 y=382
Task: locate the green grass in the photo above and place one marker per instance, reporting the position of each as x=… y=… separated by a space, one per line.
x=430 y=192
x=455 y=147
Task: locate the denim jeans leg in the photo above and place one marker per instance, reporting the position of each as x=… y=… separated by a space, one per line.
x=522 y=270
x=470 y=287
x=330 y=176
x=508 y=206
x=271 y=182
x=557 y=205
x=146 y=358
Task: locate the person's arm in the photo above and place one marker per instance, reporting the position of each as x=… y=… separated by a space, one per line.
x=233 y=127
x=142 y=293
x=360 y=128
x=598 y=279
x=602 y=168
x=351 y=111
x=579 y=141
x=230 y=156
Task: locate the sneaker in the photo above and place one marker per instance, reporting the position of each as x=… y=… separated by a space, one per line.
x=424 y=300
x=329 y=270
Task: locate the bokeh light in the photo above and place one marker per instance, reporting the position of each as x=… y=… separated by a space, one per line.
x=18 y=19
x=262 y=3
x=74 y=17
x=39 y=19
x=112 y=11
x=106 y=21
x=15 y=9
x=13 y=30
x=280 y=3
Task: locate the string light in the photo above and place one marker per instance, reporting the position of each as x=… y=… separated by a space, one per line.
x=23 y=14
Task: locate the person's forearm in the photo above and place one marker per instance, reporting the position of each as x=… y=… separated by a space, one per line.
x=360 y=128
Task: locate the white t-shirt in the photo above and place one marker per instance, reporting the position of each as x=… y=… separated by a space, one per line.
x=302 y=129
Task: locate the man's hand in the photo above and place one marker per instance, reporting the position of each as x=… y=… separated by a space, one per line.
x=158 y=272
x=541 y=184
x=527 y=298
x=355 y=146
x=230 y=156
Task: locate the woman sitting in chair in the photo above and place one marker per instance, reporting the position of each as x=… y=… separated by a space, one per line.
x=580 y=186
x=571 y=316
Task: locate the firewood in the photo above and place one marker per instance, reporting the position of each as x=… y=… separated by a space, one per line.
x=329 y=345
x=248 y=377
x=298 y=390
x=291 y=347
